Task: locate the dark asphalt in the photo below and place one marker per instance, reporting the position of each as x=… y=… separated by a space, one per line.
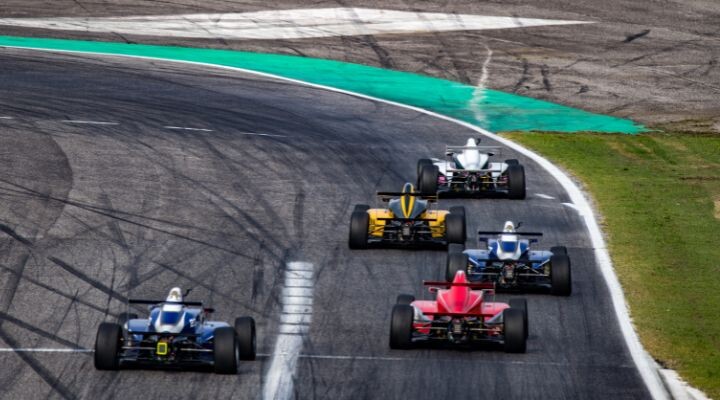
x=654 y=62
x=93 y=214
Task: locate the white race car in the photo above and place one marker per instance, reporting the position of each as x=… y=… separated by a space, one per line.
x=467 y=171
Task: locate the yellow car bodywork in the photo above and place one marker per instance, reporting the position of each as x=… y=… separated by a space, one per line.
x=377 y=225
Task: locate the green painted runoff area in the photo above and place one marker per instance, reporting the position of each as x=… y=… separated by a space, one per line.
x=489 y=109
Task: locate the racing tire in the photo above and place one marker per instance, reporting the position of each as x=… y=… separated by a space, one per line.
x=455 y=231
x=459 y=210
x=559 y=250
x=107 y=346
x=521 y=304
x=455 y=248
x=512 y=161
x=560 y=276
x=405 y=299
x=516 y=182
x=125 y=317
x=361 y=207
x=359 y=225
x=455 y=262
x=428 y=180
x=401 y=326
x=246 y=340
x=225 y=351
x=514 y=331
x=422 y=163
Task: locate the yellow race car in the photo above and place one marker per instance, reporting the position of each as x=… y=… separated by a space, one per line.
x=408 y=221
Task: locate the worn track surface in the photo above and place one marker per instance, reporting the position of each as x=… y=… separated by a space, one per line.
x=93 y=214
x=654 y=62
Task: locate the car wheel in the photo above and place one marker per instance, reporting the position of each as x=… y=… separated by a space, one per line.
x=516 y=182
x=401 y=326
x=514 y=331
x=521 y=304
x=361 y=207
x=560 y=276
x=246 y=341
x=455 y=262
x=405 y=299
x=459 y=210
x=559 y=250
x=455 y=231
x=359 y=225
x=225 y=351
x=512 y=162
x=107 y=346
x=428 y=180
x=422 y=163
x=125 y=317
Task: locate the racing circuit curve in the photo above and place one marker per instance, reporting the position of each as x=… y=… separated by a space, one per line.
x=102 y=212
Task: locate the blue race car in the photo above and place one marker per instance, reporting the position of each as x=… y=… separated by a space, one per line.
x=511 y=265
x=175 y=335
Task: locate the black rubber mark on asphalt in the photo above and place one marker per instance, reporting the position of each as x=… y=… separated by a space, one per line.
x=583 y=89
x=545 y=72
x=523 y=77
x=11 y=232
x=7 y=318
x=92 y=282
x=630 y=38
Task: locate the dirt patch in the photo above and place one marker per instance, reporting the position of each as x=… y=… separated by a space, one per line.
x=717 y=207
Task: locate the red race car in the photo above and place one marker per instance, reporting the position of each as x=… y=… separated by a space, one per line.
x=463 y=313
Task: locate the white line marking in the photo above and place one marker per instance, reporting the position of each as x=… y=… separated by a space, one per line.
x=260 y=134
x=573 y=206
x=83 y=122
x=646 y=366
x=298 y=282
x=286 y=24
x=544 y=196
x=7 y=118
x=293 y=328
x=188 y=129
x=44 y=350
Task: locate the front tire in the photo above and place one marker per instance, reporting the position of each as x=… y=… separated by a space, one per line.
x=359 y=225
x=560 y=276
x=246 y=340
x=514 y=330
x=516 y=182
x=107 y=346
x=455 y=231
x=428 y=180
x=405 y=299
x=226 y=351
x=421 y=164
x=401 y=326
x=455 y=262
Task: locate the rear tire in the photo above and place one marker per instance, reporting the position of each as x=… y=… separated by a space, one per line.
x=246 y=341
x=560 y=276
x=361 y=207
x=422 y=163
x=107 y=346
x=401 y=326
x=455 y=231
x=459 y=210
x=428 y=180
x=521 y=304
x=516 y=182
x=514 y=330
x=226 y=351
x=559 y=250
x=455 y=262
x=125 y=317
x=405 y=299
x=512 y=161
x=359 y=225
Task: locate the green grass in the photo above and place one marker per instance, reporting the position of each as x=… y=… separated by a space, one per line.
x=659 y=200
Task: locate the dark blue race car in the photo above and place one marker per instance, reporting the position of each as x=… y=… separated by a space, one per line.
x=176 y=334
x=511 y=265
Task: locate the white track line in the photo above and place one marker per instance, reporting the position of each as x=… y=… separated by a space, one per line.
x=187 y=129
x=7 y=118
x=44 y=350
x=646 y=366
x=544 y=196
x=294 y=325
x=83 y=122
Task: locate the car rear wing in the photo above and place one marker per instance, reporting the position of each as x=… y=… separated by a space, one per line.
x=471 y=285
x=181 y=303
x=456 y=315
x=387 y=196
x=453 y=149
x=407 y=219
x=510 y=233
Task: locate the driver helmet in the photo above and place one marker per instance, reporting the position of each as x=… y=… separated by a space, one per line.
x=171 y=318
x=508 y=240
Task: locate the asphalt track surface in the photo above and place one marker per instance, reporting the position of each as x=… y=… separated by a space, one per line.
x=94 y=213
x=655 y=62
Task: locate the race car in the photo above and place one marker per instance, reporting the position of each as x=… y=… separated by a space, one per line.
x=408 y=221
x=467 y=172
x=510 y=264
x=463 y=313
x=176 y=334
